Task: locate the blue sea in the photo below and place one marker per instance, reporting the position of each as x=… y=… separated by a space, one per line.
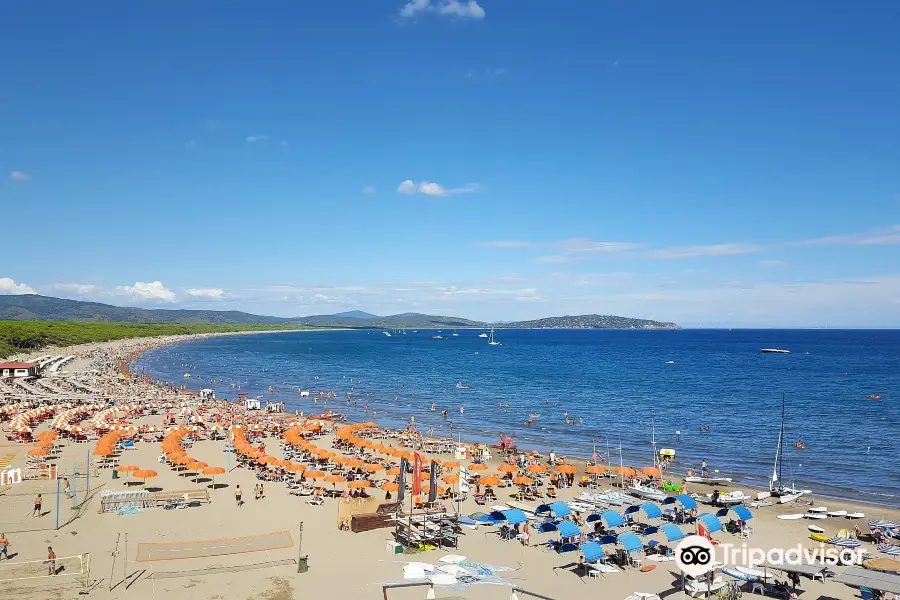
x=619 y=382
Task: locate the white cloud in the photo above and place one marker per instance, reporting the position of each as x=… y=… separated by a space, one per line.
x=209 y=293
x=8 y=287
x=556 y=259
x=505 y=244
x=253 y=139
x=467 y=9
x=430 y=188
x=19 y=176
x=368 y=190
x=772 y=263
x=407 y=186
x=414 y=7
x=77 y=289
x=709 y=250
x=153 y=291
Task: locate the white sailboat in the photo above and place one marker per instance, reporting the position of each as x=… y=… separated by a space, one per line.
x=491 y=341
x=649 y=490
x=776 y=485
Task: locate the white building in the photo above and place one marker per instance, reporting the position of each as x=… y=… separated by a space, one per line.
x=19 y=369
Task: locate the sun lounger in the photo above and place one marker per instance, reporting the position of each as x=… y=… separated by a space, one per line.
x=317 y=501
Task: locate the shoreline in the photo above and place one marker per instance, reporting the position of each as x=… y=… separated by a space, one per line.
x=141 y=346
x=741 y=481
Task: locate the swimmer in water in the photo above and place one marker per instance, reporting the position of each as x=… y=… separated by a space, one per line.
x=432 y=406
x=462 y=410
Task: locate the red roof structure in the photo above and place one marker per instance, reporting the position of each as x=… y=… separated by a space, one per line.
x=17 y=365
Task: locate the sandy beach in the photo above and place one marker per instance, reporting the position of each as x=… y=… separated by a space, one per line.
x=230 y=560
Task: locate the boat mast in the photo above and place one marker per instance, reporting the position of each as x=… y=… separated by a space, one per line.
x=779 y=449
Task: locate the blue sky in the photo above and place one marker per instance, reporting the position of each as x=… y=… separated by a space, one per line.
x=714 y=164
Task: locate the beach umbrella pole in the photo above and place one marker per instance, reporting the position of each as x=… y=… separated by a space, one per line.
x=57 y=504
x=87 y=463
x=74 y=484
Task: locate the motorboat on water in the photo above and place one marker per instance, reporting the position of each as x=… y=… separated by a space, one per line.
x=708 y=480
x=437 y=337
x=534 y=415
x=461 y=386
x=482 y=335
x=387 y=333
x=775 y=351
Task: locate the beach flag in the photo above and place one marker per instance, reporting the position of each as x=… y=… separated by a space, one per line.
x=417 y=475
x=702 y=531
x=432 y=483
x=401 y=492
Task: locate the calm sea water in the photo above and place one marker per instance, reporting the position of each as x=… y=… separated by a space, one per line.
x=618 y=382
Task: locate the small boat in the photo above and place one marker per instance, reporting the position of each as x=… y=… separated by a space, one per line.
x=387 y=333
x=874 y=397
x=492 y=342
x=455 y=334
x=328 y=415
x=534 y=415
x=708 y=480
x=729 y=499
x=815 y=529
x=837 y=513
x=437 y=337
x=818 y=509
x=856 y=515
x=670 y=362
x=775 y=351
x=649 y=491
x=812 y=515
x=482 y=335
x=461 y=386
x=792 y=517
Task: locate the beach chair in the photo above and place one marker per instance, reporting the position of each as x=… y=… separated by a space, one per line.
x=316 y=501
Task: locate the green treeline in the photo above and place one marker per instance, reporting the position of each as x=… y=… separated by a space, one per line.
x=28 y=336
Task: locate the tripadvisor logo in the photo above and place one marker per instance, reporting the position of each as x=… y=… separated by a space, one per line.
x=695 y=555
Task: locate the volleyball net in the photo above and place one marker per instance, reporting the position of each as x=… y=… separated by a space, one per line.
x=159 y=551
x=44 y=571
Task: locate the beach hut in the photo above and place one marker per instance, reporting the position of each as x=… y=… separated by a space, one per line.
x=557 y=509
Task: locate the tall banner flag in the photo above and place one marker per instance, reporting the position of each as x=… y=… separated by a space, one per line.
x=401 y=491
x=432 y=487
x=417 y=475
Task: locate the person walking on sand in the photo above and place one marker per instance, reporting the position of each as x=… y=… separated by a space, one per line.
x=67 y=487
x=51 y=561
x=262 y=492
x=4 y=546
x=38 y=501
x=237 y=495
